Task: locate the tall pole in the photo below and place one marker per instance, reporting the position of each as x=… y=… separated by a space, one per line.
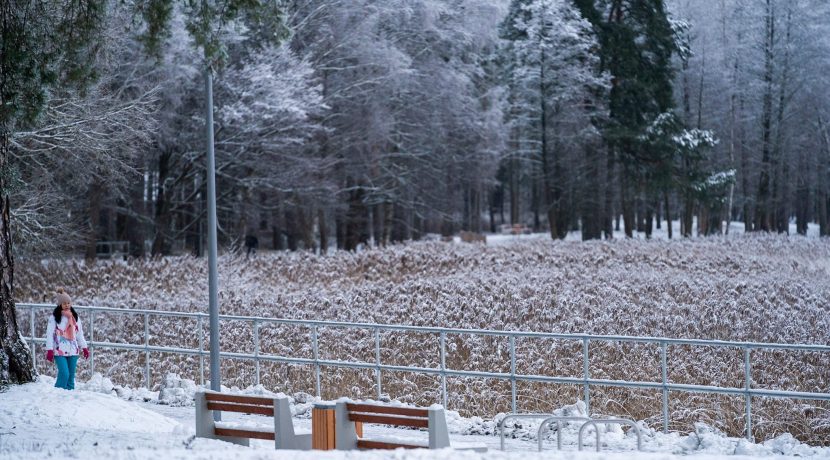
x=212 y=274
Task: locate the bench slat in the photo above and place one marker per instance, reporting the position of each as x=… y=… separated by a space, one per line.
x=243 y=433
x=255 y=400
x=373 y=408
x=389 y=420
x=367 y=444
x=243 y=408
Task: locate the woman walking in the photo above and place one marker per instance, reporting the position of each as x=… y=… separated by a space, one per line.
x=65 y=340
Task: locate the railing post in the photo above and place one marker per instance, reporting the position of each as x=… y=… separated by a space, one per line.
x=586 y=375
x=747 y=385
x=316 y=353
x=377 y=359
x=443 y=354
x=664 y=371
x=92 y=342
x=256 y=349
x=513 y=373
x=147 y=349
x=201 y=352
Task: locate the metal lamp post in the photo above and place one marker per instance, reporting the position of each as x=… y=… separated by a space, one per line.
x=213 y=300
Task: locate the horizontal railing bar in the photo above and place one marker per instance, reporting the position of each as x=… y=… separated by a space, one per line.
x=480 y=374
x=129 y=311
x=436 y=330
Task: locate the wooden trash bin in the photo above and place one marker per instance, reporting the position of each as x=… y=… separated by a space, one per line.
x=322 y=427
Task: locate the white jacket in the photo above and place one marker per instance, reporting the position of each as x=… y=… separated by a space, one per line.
x=61 y=345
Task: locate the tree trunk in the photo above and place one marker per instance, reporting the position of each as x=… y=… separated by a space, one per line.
x=94 y=197
x=748 y=218
x=129 y=227
x=388 y=221
x=548 y=181
x=356 y=220
x=378 y=220
x=703 y=221
x=732 y=108
x=15 y=357
x=515 y=217
x=823 y=163
x=688 y=214
x=668 y=214
x=161 y=242
x=627 y=202
x=608 y=210
x=306 y=226
x=323 y=229
x=592 y=196
x=802 y=207
x=658 y=210
x=763 y=205
x=781 y=192
x=640 y=218
x=492 y=212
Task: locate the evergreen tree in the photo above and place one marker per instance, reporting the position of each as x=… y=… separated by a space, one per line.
x=556 y=89
x=637 y=42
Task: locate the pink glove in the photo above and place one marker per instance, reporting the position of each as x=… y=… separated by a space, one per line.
x=86 y=353
x=50 y=355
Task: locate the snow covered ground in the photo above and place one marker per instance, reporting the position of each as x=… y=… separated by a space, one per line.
x=39 y=421
x=735 y=229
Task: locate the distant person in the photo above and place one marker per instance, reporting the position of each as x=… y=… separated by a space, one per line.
x=251 y=244
x=65 y=340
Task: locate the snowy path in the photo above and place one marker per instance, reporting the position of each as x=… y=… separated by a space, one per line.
x=38 y=421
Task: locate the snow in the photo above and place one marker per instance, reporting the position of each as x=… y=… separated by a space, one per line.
x=42 y=403
x=39 y=421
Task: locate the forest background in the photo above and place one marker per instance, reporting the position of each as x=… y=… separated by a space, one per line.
x=371 y=122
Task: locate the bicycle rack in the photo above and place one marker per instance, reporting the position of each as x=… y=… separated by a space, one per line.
x=545 y=426
x=618 y=421
x=510 y=416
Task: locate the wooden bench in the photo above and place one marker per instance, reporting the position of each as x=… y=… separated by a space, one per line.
x=433 y=419
x=282 y=432
x=514 y=229
x=472 y=237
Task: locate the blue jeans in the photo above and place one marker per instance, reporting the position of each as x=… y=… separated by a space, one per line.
x=66 y=372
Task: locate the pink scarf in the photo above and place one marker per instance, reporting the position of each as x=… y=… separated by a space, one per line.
x=71 y=325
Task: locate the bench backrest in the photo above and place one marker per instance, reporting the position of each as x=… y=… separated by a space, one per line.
x=240 y=403
x=348 y=413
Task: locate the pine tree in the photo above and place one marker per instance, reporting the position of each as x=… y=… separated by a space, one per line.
x=637 y=42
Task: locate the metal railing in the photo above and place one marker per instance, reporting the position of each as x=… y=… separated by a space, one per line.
x=586 y=339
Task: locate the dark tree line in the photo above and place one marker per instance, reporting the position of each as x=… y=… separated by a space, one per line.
x=377 y=122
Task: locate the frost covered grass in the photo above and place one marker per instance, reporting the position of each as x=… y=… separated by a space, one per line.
x=744 y=288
